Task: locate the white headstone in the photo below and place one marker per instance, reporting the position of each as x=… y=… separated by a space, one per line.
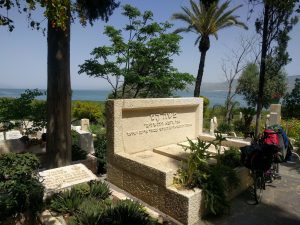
x=274 y=119
x=241 y=115
x=212 y=127
x=276 y=108
x=1 y=136
x=85 y=124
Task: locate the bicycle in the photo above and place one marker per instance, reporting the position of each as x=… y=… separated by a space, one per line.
x=263 y=164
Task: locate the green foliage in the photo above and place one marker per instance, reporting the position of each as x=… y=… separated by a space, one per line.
x=143 y=61
x=125 y=212
x=99 y=190
x=205 y=19
x=224 y=127
x=292 y=127
x=100 y=146
x=20 y=187
x=90 y=211
x=291 y=103
x=90 y=110
x=69 y=201
x=77 y=152
x=275 y=85
x=231 y=157
x=244 y=126
x=24 y=108
x=214 y=179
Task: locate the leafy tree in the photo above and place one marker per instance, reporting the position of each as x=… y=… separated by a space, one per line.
x=143 y=61
x=22 y=110
x=58 y=85
x=274 y=26
x=59 y=13
x=206 y=19
x=275 y=86
x=291 y=102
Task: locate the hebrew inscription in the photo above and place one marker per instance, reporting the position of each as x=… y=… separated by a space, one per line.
x=63 y=177
x=159 y=122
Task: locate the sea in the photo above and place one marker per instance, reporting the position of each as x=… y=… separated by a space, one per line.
x=216 y=97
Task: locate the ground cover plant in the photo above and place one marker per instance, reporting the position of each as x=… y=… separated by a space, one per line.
x=21 y=191
x=214 y=179
x=89 y=204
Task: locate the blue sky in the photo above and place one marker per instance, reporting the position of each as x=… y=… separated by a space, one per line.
x=23 y=54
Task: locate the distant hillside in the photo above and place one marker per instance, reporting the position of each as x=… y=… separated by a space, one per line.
x=222 y=86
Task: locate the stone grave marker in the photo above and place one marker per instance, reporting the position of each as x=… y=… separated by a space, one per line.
x=85 y=124
x=64 y=177
x=212 y=127
x=13 y=134
x=1 y=136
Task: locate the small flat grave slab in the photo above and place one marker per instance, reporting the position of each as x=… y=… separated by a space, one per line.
x=13 y=134
x=1 y=136
x=65 y=177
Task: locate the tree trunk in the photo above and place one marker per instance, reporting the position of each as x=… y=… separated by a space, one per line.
x=200 y=74
x=262 y=71
x=203 y=47
x=58 y=97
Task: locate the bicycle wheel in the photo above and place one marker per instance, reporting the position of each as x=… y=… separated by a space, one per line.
x=295 y=157
x=259 y=186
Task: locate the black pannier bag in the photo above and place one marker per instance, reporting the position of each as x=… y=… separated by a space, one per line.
x=253 y=157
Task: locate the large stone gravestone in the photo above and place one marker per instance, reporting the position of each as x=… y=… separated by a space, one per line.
x=144 y=137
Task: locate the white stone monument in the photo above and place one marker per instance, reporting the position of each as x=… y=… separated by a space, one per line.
x=85 y=124
x=212 y=127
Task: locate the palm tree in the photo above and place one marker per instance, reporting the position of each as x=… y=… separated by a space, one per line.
x=206 y=20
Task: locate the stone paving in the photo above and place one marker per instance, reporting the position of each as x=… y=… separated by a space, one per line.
x=280 y=204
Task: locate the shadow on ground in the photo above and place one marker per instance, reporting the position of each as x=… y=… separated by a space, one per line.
x=280 y=204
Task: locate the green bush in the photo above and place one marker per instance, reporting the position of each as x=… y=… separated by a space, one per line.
x=214 y=179
x=100 y=145
x=231 y=158
x=125 y=212
x=90 y=110
x=292 y=127
x=20 y=187
x=99 y=190
x=224 y=127
x=24 y=108
x=90 y=211
x=69 y=201
x=77 y=152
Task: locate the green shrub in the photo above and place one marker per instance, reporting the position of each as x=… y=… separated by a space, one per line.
x=24 y=108
x=125 y=212
x=99 y=190
x=213 y=179
x=67 y=201
x=231 y=158
x=100 y=145
x=224 y=127
x=20 y=188
x=77 y=152
x=90 y=211
x=90 y=110
x=292 y=127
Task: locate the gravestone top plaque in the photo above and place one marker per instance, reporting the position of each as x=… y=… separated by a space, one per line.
x=64 y=177
x=143 y=124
